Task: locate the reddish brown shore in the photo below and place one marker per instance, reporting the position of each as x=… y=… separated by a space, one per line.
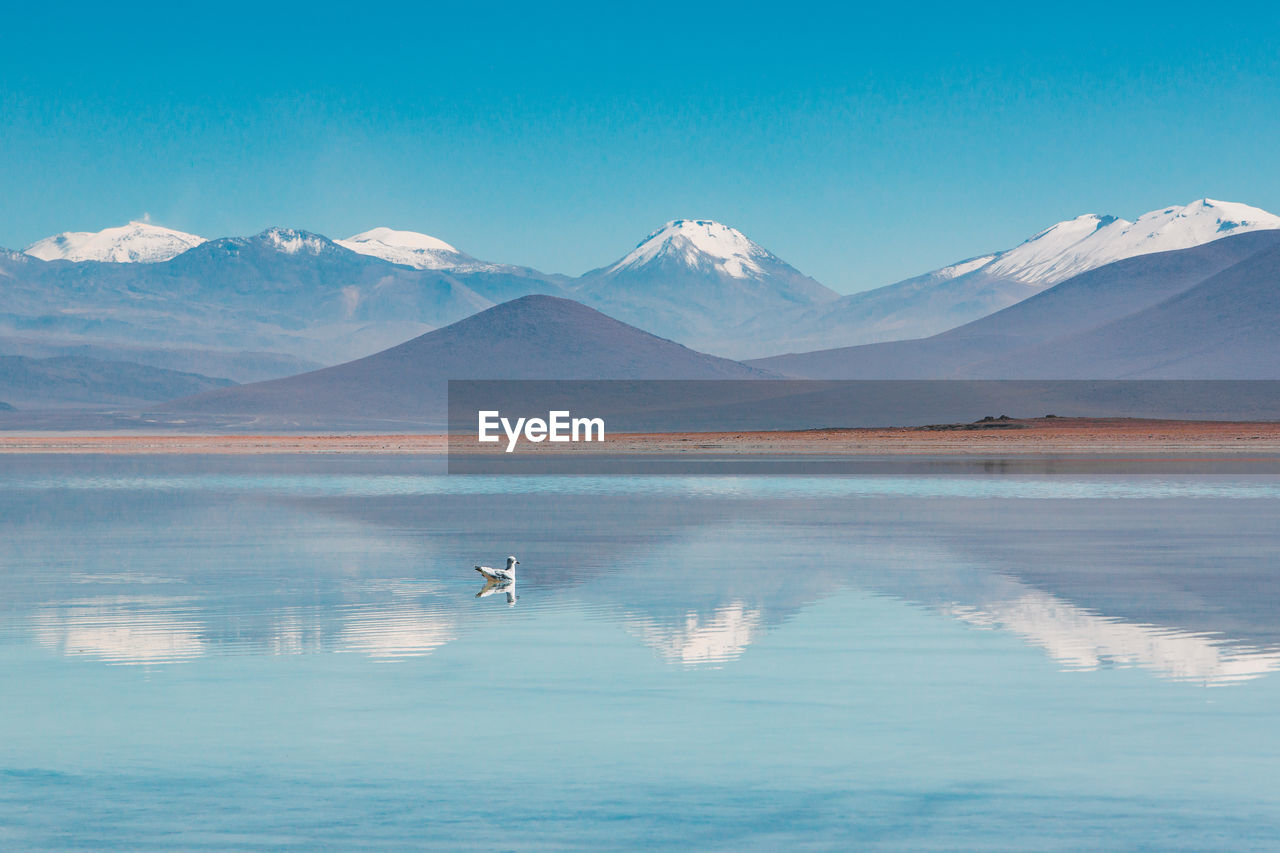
x=1036 y=436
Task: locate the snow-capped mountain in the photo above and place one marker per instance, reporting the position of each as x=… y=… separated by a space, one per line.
x=281 y=292
x=1205 y=312
x=693 y=280
x=702 y=245
x=137 y=242
x=1088 y=242
x=291 y=241
x=287 y=292
x=957 y=294
x=263 y=305
x=497 y=282
x=408 y=248
x=266 y=252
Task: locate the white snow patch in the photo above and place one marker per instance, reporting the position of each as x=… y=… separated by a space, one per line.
x=408 y=248
x=698 y=242
x=964 y=267
x=1087 y=242
x=292 y=242
x=137 y=242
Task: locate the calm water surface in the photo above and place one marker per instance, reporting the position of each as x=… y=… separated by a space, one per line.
x=240 y=654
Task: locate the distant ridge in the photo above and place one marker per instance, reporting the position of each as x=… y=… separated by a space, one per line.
x=67 y=381
x=1225 y=327
x=286 y=295
x=533 y=337
x=281 y=296
x=949 y=297
x=1207 y=312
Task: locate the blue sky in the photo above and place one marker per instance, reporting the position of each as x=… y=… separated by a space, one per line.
x=861 y=146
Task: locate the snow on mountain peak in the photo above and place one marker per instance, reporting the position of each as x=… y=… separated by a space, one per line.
x=291 y=241
x=401 y=239
x=1080 y=227
x=137 y=242
x=1056 y=253
x=696 y=242
x=1090 y=241
x=408 y=248
x=1198 y=222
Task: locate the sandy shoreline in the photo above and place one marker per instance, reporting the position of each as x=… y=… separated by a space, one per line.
x=1013 y=437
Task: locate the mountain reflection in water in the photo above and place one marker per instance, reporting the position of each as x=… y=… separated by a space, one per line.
x=698 y=578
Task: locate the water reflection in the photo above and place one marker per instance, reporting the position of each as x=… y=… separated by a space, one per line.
x=396 y=619
x=122 y=630
x=155 y=630
x=1080 y=639
x=886 y=661
x=711 y=640
x=493 y=586
x=698 y=577
x=395 y=633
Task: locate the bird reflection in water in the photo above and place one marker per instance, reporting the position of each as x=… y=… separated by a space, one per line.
x=493 y=587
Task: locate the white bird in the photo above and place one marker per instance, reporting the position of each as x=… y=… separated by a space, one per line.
x=500 y=575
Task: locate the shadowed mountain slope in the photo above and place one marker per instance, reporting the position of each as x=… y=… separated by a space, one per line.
x=1226 y=327
x=534 y=337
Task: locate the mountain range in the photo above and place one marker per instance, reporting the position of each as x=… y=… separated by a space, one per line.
x=695 y=281
x=927 y=304
x=1205 y=312
x=1182 y=291
x=288 y=295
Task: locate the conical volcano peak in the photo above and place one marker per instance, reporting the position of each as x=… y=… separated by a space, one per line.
x=699 y=243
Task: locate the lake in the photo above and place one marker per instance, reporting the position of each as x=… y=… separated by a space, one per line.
x=244 y=653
